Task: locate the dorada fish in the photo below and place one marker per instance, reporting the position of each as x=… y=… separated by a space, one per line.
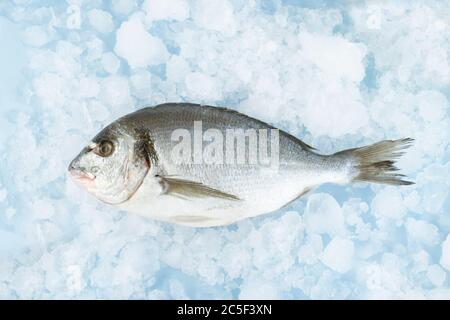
x=155 y=163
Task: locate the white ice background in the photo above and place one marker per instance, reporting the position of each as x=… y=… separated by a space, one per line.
x=335 y=75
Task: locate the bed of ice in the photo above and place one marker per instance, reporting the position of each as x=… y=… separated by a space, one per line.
x=337 y=76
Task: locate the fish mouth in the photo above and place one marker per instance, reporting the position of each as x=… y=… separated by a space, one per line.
x=82 y=177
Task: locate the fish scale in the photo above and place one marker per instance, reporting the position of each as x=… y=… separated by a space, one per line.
x=234 y=179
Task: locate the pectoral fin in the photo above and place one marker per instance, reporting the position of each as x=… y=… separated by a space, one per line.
x=191 y=189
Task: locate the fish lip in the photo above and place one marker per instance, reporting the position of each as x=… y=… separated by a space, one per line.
x=81 y=175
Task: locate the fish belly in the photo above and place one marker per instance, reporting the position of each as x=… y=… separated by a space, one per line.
x=257 y=195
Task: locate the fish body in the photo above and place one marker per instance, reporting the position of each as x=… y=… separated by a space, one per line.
x=143 y=174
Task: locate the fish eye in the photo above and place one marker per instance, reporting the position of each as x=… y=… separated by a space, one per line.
x=105 y=148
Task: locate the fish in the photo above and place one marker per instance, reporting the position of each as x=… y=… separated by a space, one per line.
x=204 y=166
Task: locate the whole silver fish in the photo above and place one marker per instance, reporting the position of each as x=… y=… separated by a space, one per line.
x=130 y=164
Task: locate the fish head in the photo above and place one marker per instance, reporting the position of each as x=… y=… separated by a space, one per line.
x=112 y=166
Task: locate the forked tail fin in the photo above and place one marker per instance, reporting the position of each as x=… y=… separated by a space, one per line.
x=376 y=162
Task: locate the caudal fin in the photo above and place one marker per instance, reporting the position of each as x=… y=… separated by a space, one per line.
x=376 y=162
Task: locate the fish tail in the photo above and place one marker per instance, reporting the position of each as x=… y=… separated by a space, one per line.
x=376 y=163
